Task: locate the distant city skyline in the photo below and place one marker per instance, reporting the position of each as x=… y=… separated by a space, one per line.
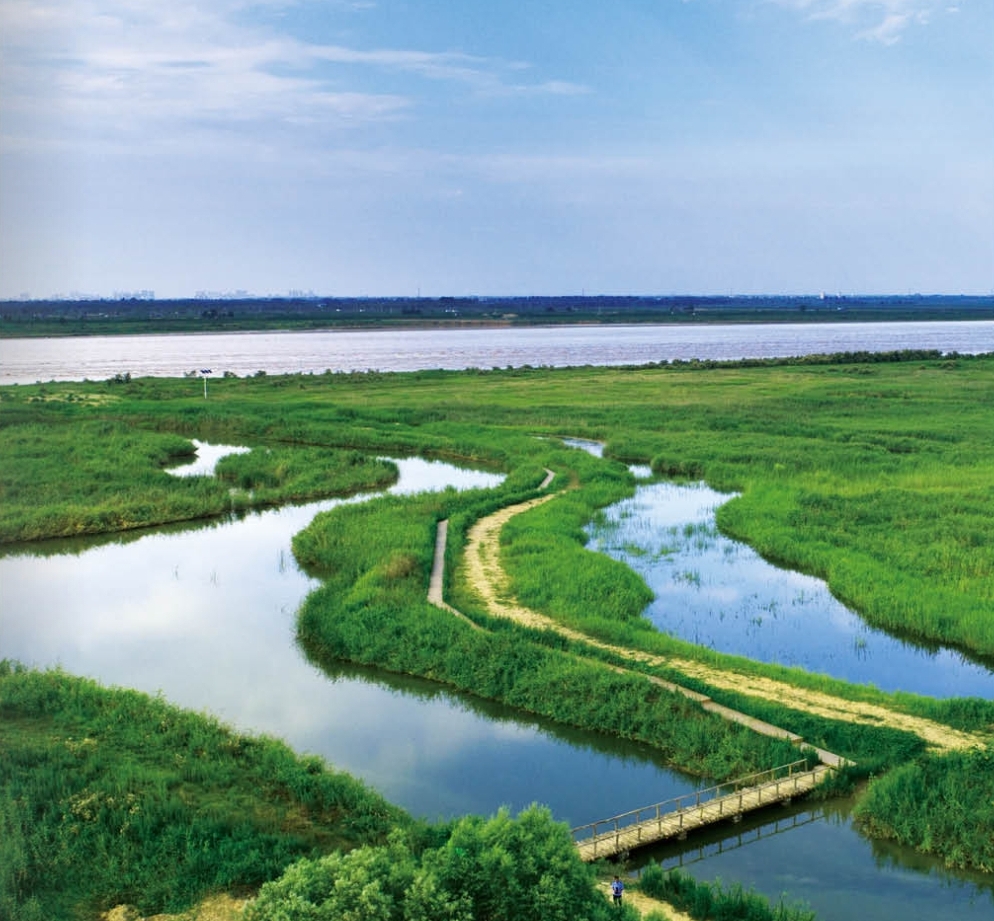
x=389 y=148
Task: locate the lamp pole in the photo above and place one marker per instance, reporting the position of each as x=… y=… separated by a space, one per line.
x=204 y=373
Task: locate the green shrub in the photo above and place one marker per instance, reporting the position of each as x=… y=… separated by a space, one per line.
x=501 y=869
x=939 y=804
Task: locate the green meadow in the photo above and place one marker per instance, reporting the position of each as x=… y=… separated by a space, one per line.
x=872 y=472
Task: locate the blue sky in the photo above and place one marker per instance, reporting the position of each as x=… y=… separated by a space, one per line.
x=466 y=147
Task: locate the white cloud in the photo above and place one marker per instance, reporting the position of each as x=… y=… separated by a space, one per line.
x=875 y=20
x=126 y=68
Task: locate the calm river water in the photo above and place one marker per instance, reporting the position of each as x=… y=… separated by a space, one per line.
x=720 y=593
x=26 y=361
x=206 y=615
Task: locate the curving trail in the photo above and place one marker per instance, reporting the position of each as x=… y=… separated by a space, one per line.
x=486 y=574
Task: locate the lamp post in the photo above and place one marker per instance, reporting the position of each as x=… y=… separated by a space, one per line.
x=205 y=373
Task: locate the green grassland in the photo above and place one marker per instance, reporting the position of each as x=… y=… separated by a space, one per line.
x=872 y=474
x=875 y=473
x=111 y=796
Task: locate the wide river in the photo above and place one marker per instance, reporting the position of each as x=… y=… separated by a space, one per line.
x=26 y=361
x=205 y=614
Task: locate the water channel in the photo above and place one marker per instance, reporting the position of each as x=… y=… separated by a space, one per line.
x=720 y=593
x=205 y=615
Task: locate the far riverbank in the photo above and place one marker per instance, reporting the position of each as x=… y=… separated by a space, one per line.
x=149 y=316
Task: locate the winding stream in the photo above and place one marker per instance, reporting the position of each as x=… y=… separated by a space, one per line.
x=717 y=592
x=205 y=614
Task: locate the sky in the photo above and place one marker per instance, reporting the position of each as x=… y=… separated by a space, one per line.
x=458 y=147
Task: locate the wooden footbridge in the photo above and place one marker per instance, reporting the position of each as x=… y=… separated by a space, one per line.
x=674 y=818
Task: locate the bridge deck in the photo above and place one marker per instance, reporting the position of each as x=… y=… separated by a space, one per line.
x=656 y=823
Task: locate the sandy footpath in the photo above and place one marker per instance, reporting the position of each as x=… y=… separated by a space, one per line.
x=487 y=576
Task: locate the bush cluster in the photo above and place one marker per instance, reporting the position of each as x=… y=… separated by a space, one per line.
x=939 y=804
x=499 y=869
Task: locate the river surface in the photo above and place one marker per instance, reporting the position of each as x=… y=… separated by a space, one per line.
x=206 y=615
x=717 y=592
x=26 y=361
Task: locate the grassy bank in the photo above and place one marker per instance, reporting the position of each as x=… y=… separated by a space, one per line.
x=714 y=901
x=937 y=805
x=372 y=609
x=111 y=796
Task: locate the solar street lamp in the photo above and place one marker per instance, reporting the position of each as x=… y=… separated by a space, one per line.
x=205 y=373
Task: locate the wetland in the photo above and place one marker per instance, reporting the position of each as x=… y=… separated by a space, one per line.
x=185 y=592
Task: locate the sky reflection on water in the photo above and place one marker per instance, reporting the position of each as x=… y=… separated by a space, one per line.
x=206 y=615
x=720 y=593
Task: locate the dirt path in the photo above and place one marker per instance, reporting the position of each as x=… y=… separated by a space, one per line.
x=644 y=904
x=213 y=908
x=486 y=574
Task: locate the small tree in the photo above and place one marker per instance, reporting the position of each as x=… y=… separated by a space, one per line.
x=497 y=869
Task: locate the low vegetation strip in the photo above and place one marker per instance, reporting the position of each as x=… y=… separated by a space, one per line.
x=487 y=576
x=492 y=571
x=936 y=735
x=682 y=820
x=714 y=900
x=99 y=476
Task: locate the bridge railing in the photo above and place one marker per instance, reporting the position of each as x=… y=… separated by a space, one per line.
x=784 y=779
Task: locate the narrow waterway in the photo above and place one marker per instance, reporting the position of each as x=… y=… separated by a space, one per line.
x=810 y=853
x=717 y=592
x=205 y=615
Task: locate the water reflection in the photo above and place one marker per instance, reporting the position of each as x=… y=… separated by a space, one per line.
x=439 y=752
x=815 y=855
x=719 y=593
x=190 y=611
x=207 y=616
x=206 y=459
